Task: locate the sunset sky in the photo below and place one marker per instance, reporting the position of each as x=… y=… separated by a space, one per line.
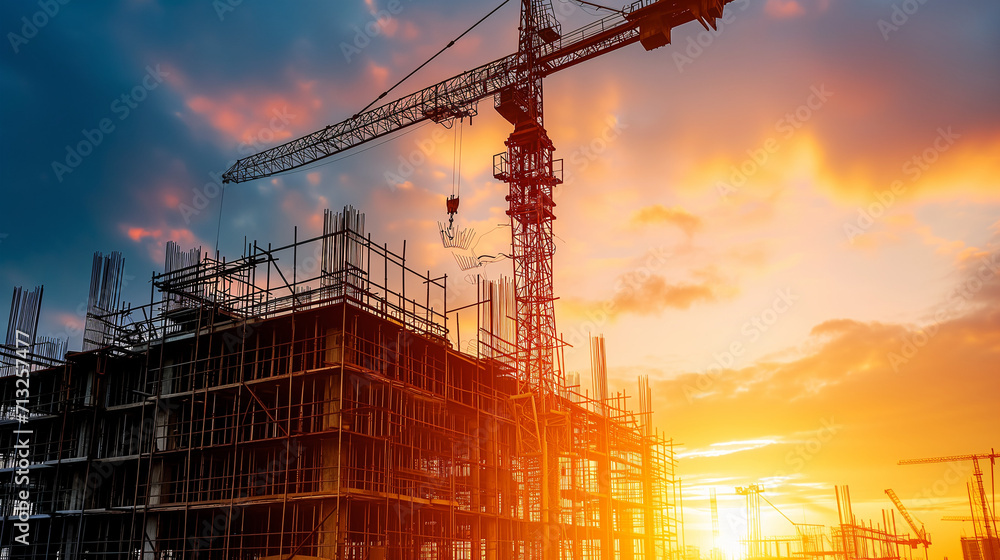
x=791 y=225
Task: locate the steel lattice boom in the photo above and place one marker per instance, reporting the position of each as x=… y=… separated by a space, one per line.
x=921 y=534
x=455 y=96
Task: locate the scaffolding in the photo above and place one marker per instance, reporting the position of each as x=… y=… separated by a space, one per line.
x=305 y=401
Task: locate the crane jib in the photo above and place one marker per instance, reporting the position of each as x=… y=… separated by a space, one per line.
x=646 y=21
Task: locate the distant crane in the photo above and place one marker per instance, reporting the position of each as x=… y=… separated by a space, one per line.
x=714 y=502
x=921 y=534
x=983 y=517
x=527 y=166
x=810 y=534
x=753 y=494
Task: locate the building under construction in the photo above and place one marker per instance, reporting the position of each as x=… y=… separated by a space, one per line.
x=309 y=401
x=853 y=538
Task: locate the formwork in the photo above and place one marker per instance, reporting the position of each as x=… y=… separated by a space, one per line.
x=309 y=401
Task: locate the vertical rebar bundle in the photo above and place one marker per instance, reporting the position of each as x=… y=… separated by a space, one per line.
x=24 y=310
x=104 y=300
x=342 y=260
x=599 y=370
x=184 y=277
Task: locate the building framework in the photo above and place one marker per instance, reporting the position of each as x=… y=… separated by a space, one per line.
x=306 y=402
x=854 y=539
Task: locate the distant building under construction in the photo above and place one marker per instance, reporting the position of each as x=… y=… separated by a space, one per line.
x=306 y=402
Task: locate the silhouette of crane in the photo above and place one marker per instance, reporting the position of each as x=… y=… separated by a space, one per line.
x=921 y=536
x=983 y=517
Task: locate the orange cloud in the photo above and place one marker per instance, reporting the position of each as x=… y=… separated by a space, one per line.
x=934 y=167
x=73 y=323
x=257 y=121
x=304 y=210
x=649 y=294
x=656 y=294
x=784 y=8
x=155 y=240
x=657 y=214
x=410 y=31
x=138 y=233
x=378 y=74
x=256 y=117
x=171 y=200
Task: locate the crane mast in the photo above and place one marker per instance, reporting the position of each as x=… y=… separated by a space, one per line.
x=529 y=169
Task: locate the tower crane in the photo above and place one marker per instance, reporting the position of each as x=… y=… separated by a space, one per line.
x=714 y=502
x=753 y=493
x=515 y=82
x=981 y=510
x=921 y=536
x=528 y=167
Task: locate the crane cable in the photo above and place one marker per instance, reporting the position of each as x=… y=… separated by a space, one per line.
x=376 y=100
x=600 y=7
x=456 y=178
x=794 y=524
x=446 y=47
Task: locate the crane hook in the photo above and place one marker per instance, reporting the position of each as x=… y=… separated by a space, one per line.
x=452 y=205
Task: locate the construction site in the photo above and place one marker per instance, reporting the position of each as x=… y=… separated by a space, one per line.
x=305 y=401
x=252 y=410
x=854 y=538
x=324 y=399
